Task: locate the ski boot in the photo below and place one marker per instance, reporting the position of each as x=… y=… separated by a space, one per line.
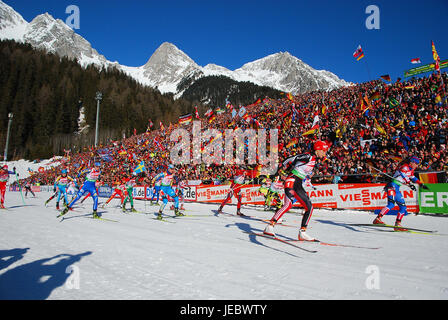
x=269 y=230
x=238 y=213
x=133 y=210
x=63 y=212
x=2 y=206
x=303 y=236
x=220 y=210
x=398 y=227
x=124 y=209
x=57 y=206
x=182 y=208
x=178 y=213
x=95 y=215
x=378 y=221
x=159 y=216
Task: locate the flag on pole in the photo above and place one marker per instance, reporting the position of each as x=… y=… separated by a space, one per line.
x=435 y=56
x=358 y=54
x=375 y=96
x=196 y=112
x=416 y=60
x=186 y=119
x=140 y=168
x=386 y=77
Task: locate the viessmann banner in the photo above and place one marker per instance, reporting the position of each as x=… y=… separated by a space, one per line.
x=339 y=196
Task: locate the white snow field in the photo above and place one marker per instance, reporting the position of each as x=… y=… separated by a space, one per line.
x=209 y=257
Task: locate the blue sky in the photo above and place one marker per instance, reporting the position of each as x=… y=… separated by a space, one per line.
x=324 y=34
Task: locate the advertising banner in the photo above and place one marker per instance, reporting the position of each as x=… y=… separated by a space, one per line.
x=434 y=200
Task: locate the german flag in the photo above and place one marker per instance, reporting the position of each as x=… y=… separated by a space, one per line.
x=186 y=119
x=386 y=77
x=375 y=96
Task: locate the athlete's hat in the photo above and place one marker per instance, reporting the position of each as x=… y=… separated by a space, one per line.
x=415 y=160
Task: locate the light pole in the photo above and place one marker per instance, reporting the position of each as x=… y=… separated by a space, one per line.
x=5 y=157
x=98 y=98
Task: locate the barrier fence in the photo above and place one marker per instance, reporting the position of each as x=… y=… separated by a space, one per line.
x=366 y=197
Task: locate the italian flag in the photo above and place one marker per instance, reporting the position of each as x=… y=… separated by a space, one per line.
x=417 y=60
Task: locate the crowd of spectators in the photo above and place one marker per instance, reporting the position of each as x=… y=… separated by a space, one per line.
x=371 y=124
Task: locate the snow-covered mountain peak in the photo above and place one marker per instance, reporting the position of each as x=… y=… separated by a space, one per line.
x=169 y=68
x=12 y=24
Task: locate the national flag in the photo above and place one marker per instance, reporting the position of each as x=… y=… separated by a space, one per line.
x=212 y=118
x=375 y=96
x=358 y=54
x=416 y=60
x=312 y=131
x=161 y=126
x=140 y=168
x=150 y=123
x=196 y=112
x=379 y=128
x=219 y=111
x=386 y=77
x=435 y=56
x=410 y=87
x=208 y=113
x=185 y=119
x=289 y=96
x=438 y=100
x=324 y=109
x=242 y=112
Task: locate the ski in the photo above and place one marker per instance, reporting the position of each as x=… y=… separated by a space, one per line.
x=163 y=220
x=335 y=244
x=280 y=240
x=281 y=224
x=103 y=219
x=390 y=226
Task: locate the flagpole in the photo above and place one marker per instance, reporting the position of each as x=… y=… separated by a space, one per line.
x=368 y=70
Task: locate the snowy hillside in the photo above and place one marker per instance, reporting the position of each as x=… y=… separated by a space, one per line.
x=204 y=256
x=168 y=66
x=23 y=166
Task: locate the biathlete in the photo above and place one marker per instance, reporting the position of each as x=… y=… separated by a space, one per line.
x=235 y=190
x=273 y=197
x=297 y=169
x=119 y=190
x=156 y=193
x=129 y=185
x=166 y=189
x=404 y=175
x=92 y=176
x=4 y=178
x=61 y=184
